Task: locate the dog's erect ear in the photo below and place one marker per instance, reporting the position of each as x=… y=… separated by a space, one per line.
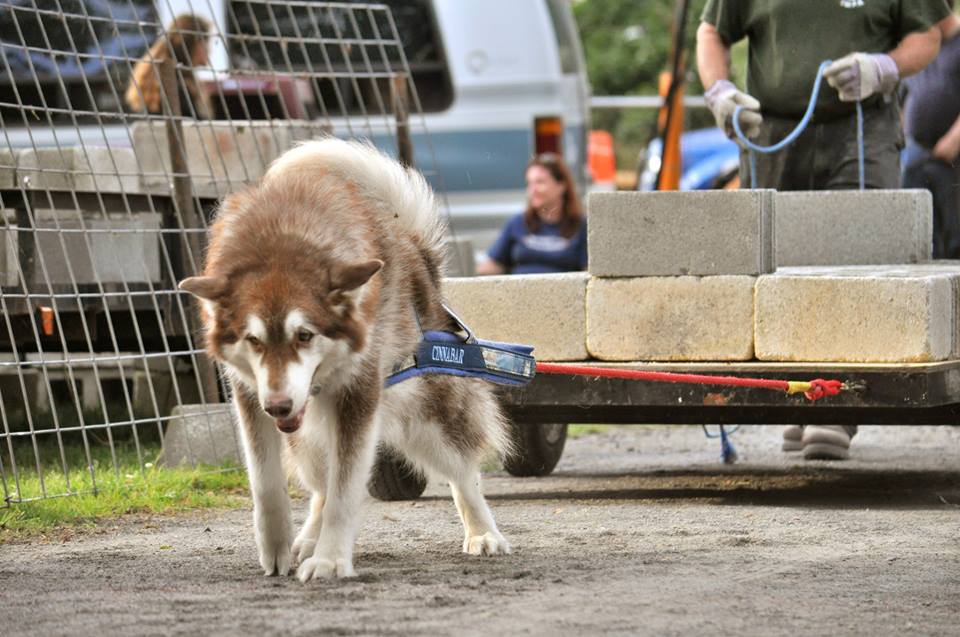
x=349 y=277
x=209 y=288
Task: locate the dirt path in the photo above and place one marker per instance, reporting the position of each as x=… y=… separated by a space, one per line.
x=639 y=531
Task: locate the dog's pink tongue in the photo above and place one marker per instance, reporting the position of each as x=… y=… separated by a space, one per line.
x=289 y=425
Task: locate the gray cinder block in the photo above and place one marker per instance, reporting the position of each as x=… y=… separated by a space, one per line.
x=546 y=311
x=681 y=233
x=7 y=168
x=85 y=169
x=859 y=314
x=201 y=434
x=671 y=318
x=850 y=227
x=221 y=156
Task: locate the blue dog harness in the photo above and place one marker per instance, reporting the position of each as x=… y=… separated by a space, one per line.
x=455 y=355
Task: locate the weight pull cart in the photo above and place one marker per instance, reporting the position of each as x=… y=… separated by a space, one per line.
x=872 y=394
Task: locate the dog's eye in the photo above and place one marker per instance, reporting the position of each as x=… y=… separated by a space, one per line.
x=252 y=340
x=304 y=336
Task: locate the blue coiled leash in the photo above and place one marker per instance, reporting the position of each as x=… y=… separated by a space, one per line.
x=796 y=132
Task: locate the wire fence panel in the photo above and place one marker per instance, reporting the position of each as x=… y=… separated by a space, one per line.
x=124 y=122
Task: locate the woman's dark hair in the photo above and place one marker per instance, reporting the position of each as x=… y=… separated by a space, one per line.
x=571 y=215
x=182 y=37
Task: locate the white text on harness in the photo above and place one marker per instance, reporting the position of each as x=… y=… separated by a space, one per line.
x=447 y=354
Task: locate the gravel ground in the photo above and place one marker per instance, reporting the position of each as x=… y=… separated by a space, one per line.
x=639 y=531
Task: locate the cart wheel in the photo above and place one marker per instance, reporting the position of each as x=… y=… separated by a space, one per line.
x=394 y=479
x=537 y=449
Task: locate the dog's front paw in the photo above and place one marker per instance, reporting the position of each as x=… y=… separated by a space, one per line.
x=490 y=543
x=304 y=546
x=275 y=558
x=324 y=568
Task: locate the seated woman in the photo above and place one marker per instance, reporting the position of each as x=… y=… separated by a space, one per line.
x=551 y=235
x=186 y=40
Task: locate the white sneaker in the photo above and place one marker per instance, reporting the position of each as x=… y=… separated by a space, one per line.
x=793 y=438
x=826 y=442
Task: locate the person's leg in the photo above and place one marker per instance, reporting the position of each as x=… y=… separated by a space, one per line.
x=839 y=154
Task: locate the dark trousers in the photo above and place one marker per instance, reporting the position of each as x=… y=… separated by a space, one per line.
x=825 y=156
x=921 y=170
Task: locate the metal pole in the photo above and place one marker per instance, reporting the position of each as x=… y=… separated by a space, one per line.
x=400 y=98
x=183 y=201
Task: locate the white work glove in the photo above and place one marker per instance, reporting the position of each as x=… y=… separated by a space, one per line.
x=859 y=75
x=723 y=98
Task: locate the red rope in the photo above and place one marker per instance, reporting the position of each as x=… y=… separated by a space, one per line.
x=818 y=388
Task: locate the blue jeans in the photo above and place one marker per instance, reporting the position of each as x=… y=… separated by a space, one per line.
x=921 y=170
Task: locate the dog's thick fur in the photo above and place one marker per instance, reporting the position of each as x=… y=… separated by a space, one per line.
x=308 y=293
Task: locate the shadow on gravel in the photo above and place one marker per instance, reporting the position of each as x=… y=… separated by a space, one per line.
x=820 y=489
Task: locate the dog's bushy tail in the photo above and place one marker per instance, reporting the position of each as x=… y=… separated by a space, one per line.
x=403 y=193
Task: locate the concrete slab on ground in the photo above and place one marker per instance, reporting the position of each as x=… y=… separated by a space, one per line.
x=681 y=233
x=671 y=318
x=201 y=434
x=547 y=311
x=849 y=227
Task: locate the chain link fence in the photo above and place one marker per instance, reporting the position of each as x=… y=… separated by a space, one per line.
x=123 y=123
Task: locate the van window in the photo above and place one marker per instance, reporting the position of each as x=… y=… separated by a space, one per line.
x=566 y=35
x=338 y=46
x=69 y=45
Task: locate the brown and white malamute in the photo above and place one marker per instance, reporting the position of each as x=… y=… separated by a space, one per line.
x=313 y=285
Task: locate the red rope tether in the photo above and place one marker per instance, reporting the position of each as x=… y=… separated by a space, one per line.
x=813 y=390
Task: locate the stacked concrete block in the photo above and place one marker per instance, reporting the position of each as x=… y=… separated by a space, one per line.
x=674 y=273
x=850 y=227
x=76 y=168
x=8 y=256
x=95 y=253
x=545 y=311
x=222 y=157
x=201 y=434
x=859 y=314
x=634 y=234
x=671 y=318
x=8 y=178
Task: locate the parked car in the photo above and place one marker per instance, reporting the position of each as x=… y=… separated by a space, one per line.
x=709 y=160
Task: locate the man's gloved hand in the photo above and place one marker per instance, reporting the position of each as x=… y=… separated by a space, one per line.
x=859 y=75
x=723 y=98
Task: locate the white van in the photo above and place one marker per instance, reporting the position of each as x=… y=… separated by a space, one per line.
x=497 y=80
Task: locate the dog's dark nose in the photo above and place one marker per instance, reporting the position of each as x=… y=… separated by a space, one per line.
x=278 y=406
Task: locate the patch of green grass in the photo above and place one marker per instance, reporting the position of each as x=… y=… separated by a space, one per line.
x=578 y=431
x=109 y=491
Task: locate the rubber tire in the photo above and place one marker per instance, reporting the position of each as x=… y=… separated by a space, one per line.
x=394 y=479
x=537 y=449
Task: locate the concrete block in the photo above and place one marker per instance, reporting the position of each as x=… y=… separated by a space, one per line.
x=460 y=258
x=849 y=227
x=859 y=314
x=111 y=253
x=681 y=233
x=201 y=434
x=8 y=256
x=8 y=173
x=221 y=156
x=85 y=169
x=671 y=318
x=546 y=311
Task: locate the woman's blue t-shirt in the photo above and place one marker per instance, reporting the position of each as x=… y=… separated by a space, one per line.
x=522 y=252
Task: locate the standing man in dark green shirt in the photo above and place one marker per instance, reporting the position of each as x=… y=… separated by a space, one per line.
x=873 y=44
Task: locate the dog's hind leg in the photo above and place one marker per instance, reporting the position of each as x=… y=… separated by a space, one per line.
x=349 y=461
x=268 y=485
x=481 y=536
